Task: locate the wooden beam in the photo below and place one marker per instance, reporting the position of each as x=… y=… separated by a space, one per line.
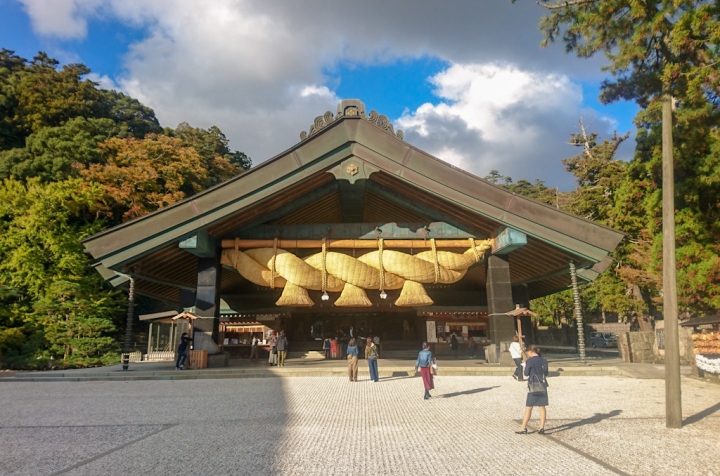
x=360 y=244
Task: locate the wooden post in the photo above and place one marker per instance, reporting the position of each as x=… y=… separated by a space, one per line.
x=150 y=338
x=673 y=404
x=130 y=314
x=347 y=244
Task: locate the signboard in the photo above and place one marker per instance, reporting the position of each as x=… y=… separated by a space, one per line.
x=464 y=330
x=431 y=336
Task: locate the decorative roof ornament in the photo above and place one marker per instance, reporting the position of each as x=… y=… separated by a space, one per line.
x=351 y=107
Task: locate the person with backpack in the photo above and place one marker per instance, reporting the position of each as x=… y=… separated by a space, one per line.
x=425 y=363
x=182 y=352
x=371 y=355
x=536 y=369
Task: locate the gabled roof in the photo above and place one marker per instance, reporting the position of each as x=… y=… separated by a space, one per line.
x=382 y=157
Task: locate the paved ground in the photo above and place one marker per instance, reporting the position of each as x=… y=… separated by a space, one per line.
x=326 y=425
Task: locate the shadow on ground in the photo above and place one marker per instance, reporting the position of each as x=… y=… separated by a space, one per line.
x=468 y=392
x=585 y=421
x=700 y=415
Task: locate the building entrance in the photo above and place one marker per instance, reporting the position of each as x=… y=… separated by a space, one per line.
x=388 y=326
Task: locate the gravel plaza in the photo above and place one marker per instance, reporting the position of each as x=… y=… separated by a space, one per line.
x=327 y=425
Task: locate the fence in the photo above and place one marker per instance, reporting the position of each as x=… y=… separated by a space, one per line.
x=166 y=356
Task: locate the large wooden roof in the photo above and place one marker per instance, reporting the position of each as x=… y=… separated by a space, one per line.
x=352 y=170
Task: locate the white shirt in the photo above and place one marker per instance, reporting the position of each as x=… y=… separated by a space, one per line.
x=515 y=350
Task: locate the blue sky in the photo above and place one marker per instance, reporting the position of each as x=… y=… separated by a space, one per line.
x=467 y=83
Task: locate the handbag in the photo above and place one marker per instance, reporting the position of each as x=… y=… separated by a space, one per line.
x=274 y=350
x=536 y=387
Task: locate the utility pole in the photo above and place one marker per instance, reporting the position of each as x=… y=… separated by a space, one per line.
x=578 y=313
x=673 y=403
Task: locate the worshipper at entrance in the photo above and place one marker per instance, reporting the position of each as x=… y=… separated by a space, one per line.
x=352 y=358
x=454 y=344
x=425 y=362
x=334 y=348
x=327 y=346
x=281 y=345
x=371 y=355
x=536 y=369
x=182 y=351
x=272 y=359
x=254 y=348
x=516 y=354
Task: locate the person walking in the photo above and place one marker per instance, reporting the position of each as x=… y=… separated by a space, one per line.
x=254 y=348
x=371 y=355
x=516 y=354
x=182 y=351
x=281 y=345
x=424 y=363
x=471 y=347
x=327 y=345
x=272 y=358
x=352 y=358
x=536 y=369
x=334 y=348
x=454 y=344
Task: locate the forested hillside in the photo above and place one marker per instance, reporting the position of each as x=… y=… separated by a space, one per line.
x=76 y=159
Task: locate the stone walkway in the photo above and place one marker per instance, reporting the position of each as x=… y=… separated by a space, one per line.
x=326 y=425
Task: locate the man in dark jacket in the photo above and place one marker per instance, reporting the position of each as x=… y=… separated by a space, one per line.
x=281 y=346
x=182 y=352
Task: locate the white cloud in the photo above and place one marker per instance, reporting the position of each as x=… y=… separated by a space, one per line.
x=499 y=117
x=62 y=18
x=104 y=81
x=256 y=69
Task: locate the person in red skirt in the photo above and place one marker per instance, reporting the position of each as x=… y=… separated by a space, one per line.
x=424 y=363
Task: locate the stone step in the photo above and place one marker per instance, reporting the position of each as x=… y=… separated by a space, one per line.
x=296 y=371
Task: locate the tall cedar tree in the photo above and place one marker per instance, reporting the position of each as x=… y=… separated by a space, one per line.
x=657 y=47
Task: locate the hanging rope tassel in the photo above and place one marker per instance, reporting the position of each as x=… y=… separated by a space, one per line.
x=272 y=263
x=324 y=266
x=435 y=259
x=474 y=249
x=380 y=264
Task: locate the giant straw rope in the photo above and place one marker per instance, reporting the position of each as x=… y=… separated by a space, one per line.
x=330 y=271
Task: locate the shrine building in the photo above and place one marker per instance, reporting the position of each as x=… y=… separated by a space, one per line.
x=352 y=231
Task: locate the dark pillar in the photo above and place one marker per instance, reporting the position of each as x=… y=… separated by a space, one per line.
x=207 y=304
x=500 y=299
x=520 y=295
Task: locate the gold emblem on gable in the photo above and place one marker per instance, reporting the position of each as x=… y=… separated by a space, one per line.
x=352 y=169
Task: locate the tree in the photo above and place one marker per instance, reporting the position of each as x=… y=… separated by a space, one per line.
x=43 y=271
x=536 y=190
x=140 y=176
x=657 y=49
x=213 y=148
x=56 y=153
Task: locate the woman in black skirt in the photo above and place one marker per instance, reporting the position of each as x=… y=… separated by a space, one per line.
x=536 y=369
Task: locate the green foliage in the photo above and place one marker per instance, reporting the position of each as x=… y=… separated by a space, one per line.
x=536 y=190
x=73 y=317
x=75 y=159
x=653 y=48
x=56 y=153
x=51 y=295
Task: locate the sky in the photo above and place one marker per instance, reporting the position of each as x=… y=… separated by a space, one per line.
x=466 y=81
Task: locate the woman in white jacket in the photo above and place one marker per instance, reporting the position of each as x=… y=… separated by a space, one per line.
x=516 y=354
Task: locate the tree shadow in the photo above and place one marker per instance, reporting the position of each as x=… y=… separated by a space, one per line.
x=700 y=415
x=467 y=392
x=598 y=417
